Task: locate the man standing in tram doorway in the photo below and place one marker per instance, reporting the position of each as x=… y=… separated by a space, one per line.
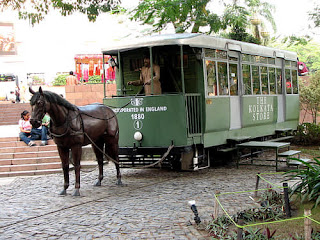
x=71 y=79
x=145 y=78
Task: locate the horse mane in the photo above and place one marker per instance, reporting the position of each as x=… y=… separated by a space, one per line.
x=53 y=98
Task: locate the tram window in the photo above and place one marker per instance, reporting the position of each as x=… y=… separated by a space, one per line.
x=288 y=81
x=210 y=53
x=255 y=80
x=279 y=80
x=271 y=61
x=263 y=60
x=264 y=80
x=233 y=68
x=221 y=54
x=272 y=80
x=256 y=59
x=287 y=63
x=223 y=78
x=295 y=81
x=246 y=58
x=246 y=79
x=211 y=78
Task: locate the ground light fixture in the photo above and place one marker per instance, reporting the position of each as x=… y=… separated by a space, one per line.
x=193 y=206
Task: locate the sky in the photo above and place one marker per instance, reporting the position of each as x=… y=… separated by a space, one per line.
x=292 y=17
x=51 y=45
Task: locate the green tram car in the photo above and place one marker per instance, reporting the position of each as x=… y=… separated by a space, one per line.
x=214 y=90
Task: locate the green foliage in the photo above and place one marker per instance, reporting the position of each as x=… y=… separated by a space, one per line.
x=94 y=79
x=38 y=9
x=310 y=95
x=295 y=40
x=183 y=14
x=36 y=80
x=270 y=210
x=307 y=134
x=315 y=16
x=308 y=186
x=240 y=34
x=60 y=80
x=307 y=50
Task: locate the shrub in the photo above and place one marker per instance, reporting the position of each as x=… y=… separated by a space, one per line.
x=307 y=134
x=308 y=186
x=94 y=79
x=60 y=80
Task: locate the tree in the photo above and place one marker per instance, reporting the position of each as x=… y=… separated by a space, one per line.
x=186 y=15
x=307 y=50
x=182 y=14
x=315 y=16
x=237 y=17
x=310 y=96
x=35 y=10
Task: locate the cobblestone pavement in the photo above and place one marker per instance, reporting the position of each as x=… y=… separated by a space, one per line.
x=152 y=204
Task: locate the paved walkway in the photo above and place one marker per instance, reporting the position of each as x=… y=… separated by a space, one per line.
x=153 y=203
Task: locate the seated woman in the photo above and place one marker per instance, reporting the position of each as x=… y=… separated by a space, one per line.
x=25 y=129
x=28 y=134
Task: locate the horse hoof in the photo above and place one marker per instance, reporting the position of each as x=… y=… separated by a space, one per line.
x=76 y=193
x=98 y=183
x=119 y=183
x=63 y=193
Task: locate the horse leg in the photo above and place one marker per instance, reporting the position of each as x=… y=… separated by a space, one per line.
x=76 y=155
x=99 y=155
x=113 y=151
x=64 y=156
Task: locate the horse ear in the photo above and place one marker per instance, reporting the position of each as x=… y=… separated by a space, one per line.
x=40 y=90
x=31 y=91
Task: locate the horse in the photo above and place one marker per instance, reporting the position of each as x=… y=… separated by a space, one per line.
x=74 y=126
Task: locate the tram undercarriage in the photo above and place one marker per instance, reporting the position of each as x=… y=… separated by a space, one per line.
x=188 y=158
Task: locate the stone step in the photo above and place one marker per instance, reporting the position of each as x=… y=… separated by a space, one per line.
x=30 y=167
x=25 y=148
x=30 y=173
x=28 y=154
x=84 y=165
x=22 y=161
x=18 y=143
x=9 y=139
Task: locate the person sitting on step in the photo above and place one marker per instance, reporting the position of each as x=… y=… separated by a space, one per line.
x=25 y=129
x=29 y=134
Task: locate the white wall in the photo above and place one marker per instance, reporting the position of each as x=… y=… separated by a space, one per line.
x=50 y=46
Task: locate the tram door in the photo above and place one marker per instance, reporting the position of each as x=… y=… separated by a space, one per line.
x=235 y=109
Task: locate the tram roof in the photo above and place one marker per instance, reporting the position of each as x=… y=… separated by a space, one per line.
x=200 y=41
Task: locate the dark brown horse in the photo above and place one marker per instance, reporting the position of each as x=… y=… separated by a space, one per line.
x=73 y=127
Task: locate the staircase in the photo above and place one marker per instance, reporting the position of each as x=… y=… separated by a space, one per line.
x=18 y=159
x=11 y=112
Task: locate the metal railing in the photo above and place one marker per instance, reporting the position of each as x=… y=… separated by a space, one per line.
x=194 y=113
